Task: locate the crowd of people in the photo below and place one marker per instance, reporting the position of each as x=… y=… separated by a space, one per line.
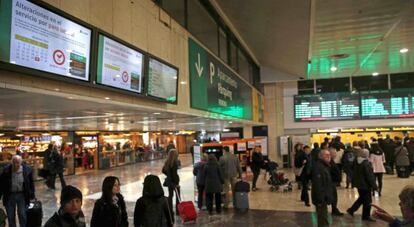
x=363 y=164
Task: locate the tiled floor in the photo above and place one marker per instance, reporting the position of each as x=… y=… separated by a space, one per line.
x=267 y=208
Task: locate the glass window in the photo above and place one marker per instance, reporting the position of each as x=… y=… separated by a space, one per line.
x=223 y=45
x=368 y=83
x=233 y=56
x=332 y=85
x=244 y=67
x=176 y=9
x=305 y=87
x=202 y=25
x=402 y=80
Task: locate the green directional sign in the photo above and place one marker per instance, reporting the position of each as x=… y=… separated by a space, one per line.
x=216 y=88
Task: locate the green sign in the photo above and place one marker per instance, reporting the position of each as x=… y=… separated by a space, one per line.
x=214 y=87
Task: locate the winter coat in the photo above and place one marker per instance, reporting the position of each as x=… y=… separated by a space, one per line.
x=377 y=162
x=60 y=219
x=109 y=214
x=388 y=146
x=53 y=161
x=6 y=184
x=172 y=179
x=213 y=178
x=152 y=212
x=322 y=185
x=230 y=166
x=198 y=171
x=257 y=161
x=363 y=177
x=401 y=156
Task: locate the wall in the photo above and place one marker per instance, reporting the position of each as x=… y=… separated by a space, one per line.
x=292 y=127
x=139 y=22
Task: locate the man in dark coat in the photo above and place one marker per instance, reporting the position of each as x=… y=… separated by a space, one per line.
x=17 y=189
x=322 y=185
x=55 y=164
x=364 y=181
x=305 y=161
x=336 y=179
x=388 y=146
x=256 y=165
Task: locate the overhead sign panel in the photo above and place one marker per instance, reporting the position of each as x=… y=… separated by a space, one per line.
x=322 y=107
x=119 y=66
x=37 y=38
x=387 y=104
x=216 y=88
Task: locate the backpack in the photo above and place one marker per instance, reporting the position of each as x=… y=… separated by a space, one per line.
x=154 y=213
x=348 y=158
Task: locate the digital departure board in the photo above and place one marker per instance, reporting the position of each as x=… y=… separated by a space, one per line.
x=387 y=104
x=162 y=81
x=323 y=107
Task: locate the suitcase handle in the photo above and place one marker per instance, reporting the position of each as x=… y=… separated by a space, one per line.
x=177 y=194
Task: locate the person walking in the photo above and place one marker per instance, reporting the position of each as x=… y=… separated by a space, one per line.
x=198 y=172
x=402 y=160
x=172 y=180
x=305 y=161
x=336 y=179
x=152 y=209
x=377 y=158
x=348 y=162
x=54 y=163
x=70 y=211
x=322 y=186
x=298 y=149
x=256 y=165
x=364 y=181
x=389 y=150
x=213 y=184
x=17 y=189
x=230 y=169
x=110 y=209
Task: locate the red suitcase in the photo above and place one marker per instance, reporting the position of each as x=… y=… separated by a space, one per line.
x=186 y=209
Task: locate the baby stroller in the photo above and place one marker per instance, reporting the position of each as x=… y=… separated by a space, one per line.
x=276 y=180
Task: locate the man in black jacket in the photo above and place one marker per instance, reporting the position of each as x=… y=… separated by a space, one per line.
x=364 y=181
x=336 y=179
x=256 y=165
x=322 y=194
x=17 y=189
x=388 y=146
x=305 y=161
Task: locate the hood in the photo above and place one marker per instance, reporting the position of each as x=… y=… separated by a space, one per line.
x=360 y=160
x=152 y=187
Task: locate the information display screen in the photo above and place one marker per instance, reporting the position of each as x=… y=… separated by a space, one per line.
x=119 y=66
x=385 y=104
x=37 y=38
x=162 y=81
x=335 y=106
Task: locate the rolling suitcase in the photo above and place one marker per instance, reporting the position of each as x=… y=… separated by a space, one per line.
x=241 y=196
x=186 y=209
x=34 y=214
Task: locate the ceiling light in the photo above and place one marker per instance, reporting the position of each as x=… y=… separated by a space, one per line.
x=46 y=134
x=403 y=50
x=333 y=68
x=19 y=135
x=57 y=89
x=157 y=113
x=375 y=73
x=230 y=122
x=226 y=130
x=107 y=98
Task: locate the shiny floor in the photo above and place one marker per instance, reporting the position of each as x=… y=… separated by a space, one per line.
x=267 y=208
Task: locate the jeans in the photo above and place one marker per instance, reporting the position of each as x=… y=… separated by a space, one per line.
x=348 y=173
x=200 y=189
x=322 y=213
x=365 y=200
x=256 y=174
x=305 y=188
x=171 y=193
x=378 y=177
x=16 y=199
x=209 y=201
x=50 y=182
x=228 y=185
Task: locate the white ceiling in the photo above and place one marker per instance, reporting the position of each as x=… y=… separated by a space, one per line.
x=28 y=111
x=284 y=35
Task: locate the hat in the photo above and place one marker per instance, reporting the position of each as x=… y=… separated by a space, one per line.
x=68 y=193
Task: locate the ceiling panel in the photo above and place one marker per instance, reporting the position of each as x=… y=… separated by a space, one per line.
x=28 y=111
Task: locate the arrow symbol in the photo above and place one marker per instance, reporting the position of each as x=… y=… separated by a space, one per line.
x=198 y=66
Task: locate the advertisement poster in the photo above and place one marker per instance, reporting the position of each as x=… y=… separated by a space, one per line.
x=34 y=37
x=162 y=81
x=119 y=66
x=241 y=146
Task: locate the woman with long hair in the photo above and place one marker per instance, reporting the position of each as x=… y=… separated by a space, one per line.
x=152 y=208
x=377 y=158
x=110 y=209
x=172 y=180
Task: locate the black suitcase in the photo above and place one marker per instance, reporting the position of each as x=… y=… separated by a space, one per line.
x=34 y=214
x=403 y=172
x=242 y=186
